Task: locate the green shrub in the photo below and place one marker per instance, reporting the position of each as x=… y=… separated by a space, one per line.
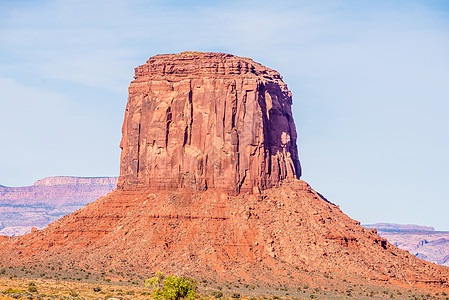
x=217 y=294
x=13 y=291
x=172 y=287
x=32 y=289
x=97 y=289
x=235 y=295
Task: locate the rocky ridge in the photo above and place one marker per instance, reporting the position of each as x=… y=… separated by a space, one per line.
x=212 y=191
x=422 y=241
x=22 y=208
x=399 y=227
x=77 y=181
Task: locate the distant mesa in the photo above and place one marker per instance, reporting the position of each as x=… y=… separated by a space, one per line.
x=209 y=187
x=76 y=181
x=22 y=208
x=398 y=227
x=422 y=241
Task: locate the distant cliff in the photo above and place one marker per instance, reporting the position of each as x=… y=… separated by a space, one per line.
x=47 y=200
x=421 y=241
x=77 y=181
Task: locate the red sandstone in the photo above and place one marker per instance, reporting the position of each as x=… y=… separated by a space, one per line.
x=207 y=120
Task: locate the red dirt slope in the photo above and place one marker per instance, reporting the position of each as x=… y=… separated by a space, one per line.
x=287 y=230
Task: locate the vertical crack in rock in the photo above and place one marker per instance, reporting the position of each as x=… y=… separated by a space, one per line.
x=190 y=103
x=234 y=103
x=168 y=120
x=224 y=122
x=208 y=120
x=138 y=150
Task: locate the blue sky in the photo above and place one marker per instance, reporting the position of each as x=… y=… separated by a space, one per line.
x=369 y=82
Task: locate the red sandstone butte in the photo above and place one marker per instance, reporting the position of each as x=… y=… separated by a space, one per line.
x=209 y=188
x=207 y=120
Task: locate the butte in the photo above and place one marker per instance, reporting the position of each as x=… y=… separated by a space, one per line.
x=209 y=187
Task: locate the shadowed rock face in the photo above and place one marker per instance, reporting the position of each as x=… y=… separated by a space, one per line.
x=207 y=120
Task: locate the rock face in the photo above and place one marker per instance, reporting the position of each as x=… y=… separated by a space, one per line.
x=48 y=200
x=207 y=120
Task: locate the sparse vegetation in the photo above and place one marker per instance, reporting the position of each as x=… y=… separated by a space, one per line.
x=32 y=287
x=172 y=287
x=13 y=291
x=217 y=294
x=97 y=289
x=17 y=283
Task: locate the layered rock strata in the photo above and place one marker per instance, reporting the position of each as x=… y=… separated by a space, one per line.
x=422 y=241
x=207 y=120
x=47 y=200
x=58 y=191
